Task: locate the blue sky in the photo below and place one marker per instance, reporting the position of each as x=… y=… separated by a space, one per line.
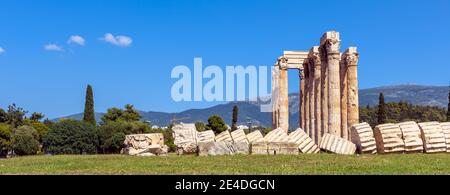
x=399 y=42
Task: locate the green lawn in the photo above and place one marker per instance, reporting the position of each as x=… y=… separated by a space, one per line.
x=245 y=164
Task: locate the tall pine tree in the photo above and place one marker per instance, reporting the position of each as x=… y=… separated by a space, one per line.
x=89 y=114
x=381 y=115
x=234 y=118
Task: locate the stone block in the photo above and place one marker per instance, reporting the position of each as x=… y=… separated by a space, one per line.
x=145 y=145
x=185 y=138
x=239 y=136
x=389 y=138
x=224 y=137
x=433 y=137
x=304 y=142
x=240 y=148
x=259 y=148
x=255 y=136
x=362 y=136
x=446 y=130
x=205 y=136
x=335 y=144
x=411 y=136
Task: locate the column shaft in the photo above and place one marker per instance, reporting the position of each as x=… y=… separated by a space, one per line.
x=312 y=117
x=302 y=97
x=314 y=57
x=324 y=90
x=352 y=74
x=331 y=42
x=275 y=91
x=344 y=86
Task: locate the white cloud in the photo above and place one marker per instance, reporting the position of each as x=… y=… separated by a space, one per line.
x=77 y=40
x=120 y=40
x=53 y=47
x=2 y=50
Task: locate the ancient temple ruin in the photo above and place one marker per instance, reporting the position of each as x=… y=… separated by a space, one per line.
x=328 y=88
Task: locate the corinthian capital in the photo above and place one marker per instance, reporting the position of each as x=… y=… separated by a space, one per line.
x=331 y=42
x=314 y=56
x=351 y=56
x=282 y=61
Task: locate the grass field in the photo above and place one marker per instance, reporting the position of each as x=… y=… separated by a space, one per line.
x=246 y=164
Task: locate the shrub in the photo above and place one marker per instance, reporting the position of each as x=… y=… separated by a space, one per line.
x=25 y=141
x=71 y=137
x=5 y=139
x=216 y=124
x=41 y=128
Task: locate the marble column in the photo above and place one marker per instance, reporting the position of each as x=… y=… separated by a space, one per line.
x=284 y=96
x=324 y=90
x=314 y=58
x=352 y=58
x=312 y=97
x=275 y=95
x=306 y=96
x=302 y=97
x=332 y=43
x=343 y=77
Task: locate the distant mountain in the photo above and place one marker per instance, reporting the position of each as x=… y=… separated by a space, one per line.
x=250 y=111
x=414 y=94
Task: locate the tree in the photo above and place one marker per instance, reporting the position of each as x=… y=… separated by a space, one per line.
x=116 y=114
x=89 y=113
x=200 y=126
x=448 y=106
x=235 y=118
x=3 y=116
x=41 y=128
x=5 y=139
x=15 y=115
x=381 y=115
x=216 y=124
x=25 y=141
x=37 y=116
x=71 y=137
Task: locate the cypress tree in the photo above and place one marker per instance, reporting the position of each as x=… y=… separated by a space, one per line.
x=234 y=118
x=381 y=115
x=89 y=114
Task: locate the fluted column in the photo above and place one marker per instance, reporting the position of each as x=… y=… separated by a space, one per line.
x=302 y=97
x=324 y=90
x=284 y=96
x=332 y=43
x=314 y=58
x=312 y=97
x=275 y=96
x=307 y=96
x=343 y=76
x=352 y=58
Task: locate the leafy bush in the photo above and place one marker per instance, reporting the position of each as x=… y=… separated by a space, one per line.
x=112 y=134
x=5 y=139
x=25 y=141
x=216 y=124
x=40 y=127
x=71 y=137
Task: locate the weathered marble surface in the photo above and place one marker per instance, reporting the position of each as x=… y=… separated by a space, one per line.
x=145 y=145
x=362 y=136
